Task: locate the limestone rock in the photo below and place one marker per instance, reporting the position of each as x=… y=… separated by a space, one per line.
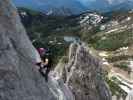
x=19 y=78
x=83 y=75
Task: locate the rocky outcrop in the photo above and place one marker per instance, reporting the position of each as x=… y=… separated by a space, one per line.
x=83 y=75
x=19 y=78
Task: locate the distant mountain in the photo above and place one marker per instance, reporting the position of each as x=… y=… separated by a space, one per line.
x=58 y=7
x=71 y=7
x=109 y=5
x=100 y=5
x=123 y=6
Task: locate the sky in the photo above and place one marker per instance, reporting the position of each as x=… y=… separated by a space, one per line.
x=85 y=1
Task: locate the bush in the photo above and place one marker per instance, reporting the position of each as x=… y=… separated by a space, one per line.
x=116 y=89
x=123 y=65
x=113 y=41
x=118 y=58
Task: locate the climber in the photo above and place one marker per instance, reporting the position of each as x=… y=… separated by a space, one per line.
x=46 y=63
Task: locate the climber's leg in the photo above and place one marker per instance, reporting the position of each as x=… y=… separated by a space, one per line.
x=41 y=70
x=46 y=74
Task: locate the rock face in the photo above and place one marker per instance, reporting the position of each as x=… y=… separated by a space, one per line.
x=19 y=78
x=83 y=75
